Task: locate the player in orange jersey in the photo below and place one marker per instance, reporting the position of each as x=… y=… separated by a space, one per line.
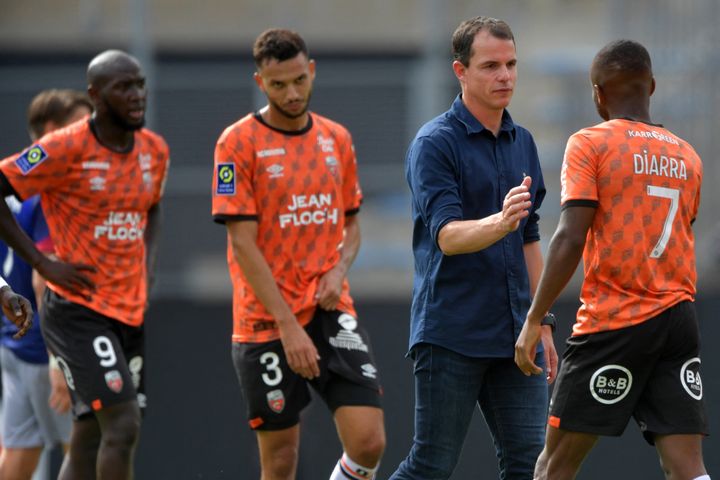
x=285 y=186
x=37 y=401
x=100 y=182
x=630 y=192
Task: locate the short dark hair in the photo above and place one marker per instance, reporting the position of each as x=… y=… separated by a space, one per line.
x=278 y=43
x=54 y=106
x=623 y=55
x=464 y=35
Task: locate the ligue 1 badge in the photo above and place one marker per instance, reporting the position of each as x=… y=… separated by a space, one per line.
x=276 y=400
x=31 y=158
x=114 y=381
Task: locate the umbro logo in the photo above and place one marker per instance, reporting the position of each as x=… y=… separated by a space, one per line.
x=275 y=170
x=97 y=184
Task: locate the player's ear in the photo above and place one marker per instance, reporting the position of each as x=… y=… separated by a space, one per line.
x=598 y=94
x=259 y=81
x=311 y=67
x=459 y=69
x=652 y=86
x=93 y=93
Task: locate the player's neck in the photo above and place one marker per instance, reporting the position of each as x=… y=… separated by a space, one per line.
x=112 y=135
x=629 y=112
x=282 y=122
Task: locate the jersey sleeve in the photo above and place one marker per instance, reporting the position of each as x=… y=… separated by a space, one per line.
x=233 y=196
x=40 y=167
x=352 y=194
x=163 y=168
x=578 y=176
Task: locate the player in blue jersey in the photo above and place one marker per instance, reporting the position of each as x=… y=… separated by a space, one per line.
x=36 y=400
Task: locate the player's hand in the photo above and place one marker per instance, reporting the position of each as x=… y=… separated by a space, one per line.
x=72 y=276
x=526 y=348
x=516 y=206
x=329 y=289
x=551 y=356
x=59 y=393
x=17 y=309
x=300 y=352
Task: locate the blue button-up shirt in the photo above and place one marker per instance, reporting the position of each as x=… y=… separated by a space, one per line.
x=475 y=303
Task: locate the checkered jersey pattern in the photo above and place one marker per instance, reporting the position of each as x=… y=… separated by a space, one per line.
x=639 y=257
x=95 y=202
x=298 y=186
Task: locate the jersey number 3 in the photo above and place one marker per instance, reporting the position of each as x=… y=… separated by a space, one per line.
x=274 y=376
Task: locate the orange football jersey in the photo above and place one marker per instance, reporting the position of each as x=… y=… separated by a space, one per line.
x=639 y=256
x=298 y=186
x=95 y=202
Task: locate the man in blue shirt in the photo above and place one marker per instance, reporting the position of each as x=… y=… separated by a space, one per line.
x=476 y=186
x=36 y=401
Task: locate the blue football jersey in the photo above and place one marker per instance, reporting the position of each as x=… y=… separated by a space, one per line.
x=18 y=274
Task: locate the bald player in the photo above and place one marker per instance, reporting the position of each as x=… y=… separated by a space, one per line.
x=630 y=192
x=100 y=183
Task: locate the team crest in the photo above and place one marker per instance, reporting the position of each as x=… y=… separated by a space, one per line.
x=225 y=179
x=114 y=381
x=276 y=400
x=31 y=158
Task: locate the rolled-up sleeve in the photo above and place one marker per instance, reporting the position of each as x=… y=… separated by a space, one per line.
x=432 y=176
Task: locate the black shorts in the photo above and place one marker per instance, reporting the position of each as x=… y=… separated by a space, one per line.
x=275 y=395
x=102 y=358
x=649 y=371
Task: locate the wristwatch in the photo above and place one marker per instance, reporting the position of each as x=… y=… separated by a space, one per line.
x=549 y=319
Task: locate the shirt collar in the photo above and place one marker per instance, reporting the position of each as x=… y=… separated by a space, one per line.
x=472 y=125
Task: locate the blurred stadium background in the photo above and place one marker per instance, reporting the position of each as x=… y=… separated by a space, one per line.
x=383 y=69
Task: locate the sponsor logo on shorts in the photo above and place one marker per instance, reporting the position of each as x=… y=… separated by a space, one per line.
x=690 y=378
x=276 y=400
x=142 y=400
x=347 y=338
x=610 y=384
x=114 y=381
x=135 y=366
x=62 y=364
x=225 y=179
x=369 y=370
x=31 y=158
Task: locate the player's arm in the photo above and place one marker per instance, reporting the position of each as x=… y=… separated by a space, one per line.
x=299 y=349
x=71 y=276
x=468 y=236
x=330 y=284
x=151 y=236
x=564 y=253
x=534 y=264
